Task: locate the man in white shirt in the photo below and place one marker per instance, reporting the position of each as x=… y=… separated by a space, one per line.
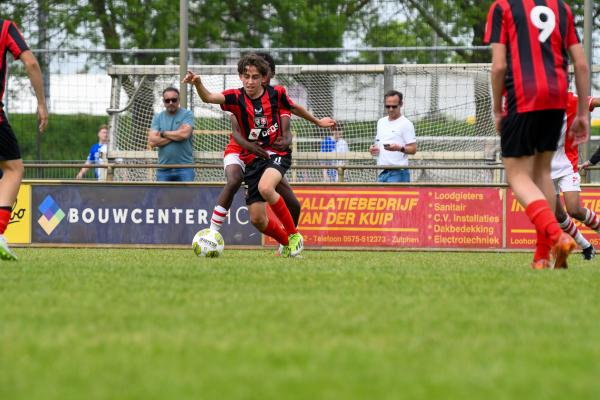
x=394 y=141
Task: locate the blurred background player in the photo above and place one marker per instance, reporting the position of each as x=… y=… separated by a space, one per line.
x=566 y=178
x=235 y=159
x=532 y=78
x=11 y=40
x=259 y=110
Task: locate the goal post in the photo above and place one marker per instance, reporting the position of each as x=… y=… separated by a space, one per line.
x=450 y=105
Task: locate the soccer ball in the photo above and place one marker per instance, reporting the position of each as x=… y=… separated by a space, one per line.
x=208 y=243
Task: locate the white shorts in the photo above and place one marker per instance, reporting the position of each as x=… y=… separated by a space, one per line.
x=567 y=183
x=233 y=159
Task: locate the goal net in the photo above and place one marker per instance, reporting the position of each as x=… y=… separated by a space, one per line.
x=450 y=106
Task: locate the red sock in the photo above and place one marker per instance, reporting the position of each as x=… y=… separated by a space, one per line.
x=275 y=230
x=544 y=220
x=4 y=218
x=282 y=212
x=542 y=249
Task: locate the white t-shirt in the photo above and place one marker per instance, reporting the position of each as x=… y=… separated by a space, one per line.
x=400 y=131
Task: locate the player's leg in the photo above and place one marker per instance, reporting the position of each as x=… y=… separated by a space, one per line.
x=12 y=168
x=13 y=171
x=562 y=243
x=575 y=209
x=234 y=175
x=567 y=224
x=291 y=201
x=266 y=186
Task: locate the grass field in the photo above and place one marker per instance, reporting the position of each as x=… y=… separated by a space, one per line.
x=160 y=324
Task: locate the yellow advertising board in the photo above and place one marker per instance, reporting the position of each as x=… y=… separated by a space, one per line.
x=19 y=227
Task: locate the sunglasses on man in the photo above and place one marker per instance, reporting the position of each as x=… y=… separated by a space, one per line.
x=394 y=107
x=171 y=100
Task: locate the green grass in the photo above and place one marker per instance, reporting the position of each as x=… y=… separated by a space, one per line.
x=156 y=324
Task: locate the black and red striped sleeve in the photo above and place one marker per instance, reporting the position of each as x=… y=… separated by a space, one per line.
x=15 y=43
x=572 y=37
x=495 y=31
x=231 y=100
x=285 y=103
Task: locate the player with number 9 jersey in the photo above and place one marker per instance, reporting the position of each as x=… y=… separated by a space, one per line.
x=531 y=44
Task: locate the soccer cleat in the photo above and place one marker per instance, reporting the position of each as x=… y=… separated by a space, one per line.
x=540 y=264
x=588 y=253
x=561 y=250
x=284 y=251
x=5 y=252
x=296 y=244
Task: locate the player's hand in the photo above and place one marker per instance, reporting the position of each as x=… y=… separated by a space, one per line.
x=374 y=150
x=281 y=144
x=580 y=130
x=257 y=150
x=585 y=165
x=326 y=123
x=42 y=113
x=190 y=77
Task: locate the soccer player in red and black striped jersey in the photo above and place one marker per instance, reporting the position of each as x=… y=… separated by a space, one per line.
x=235 y=159
x=259 y=111
x=11 y=40
x=531 y=43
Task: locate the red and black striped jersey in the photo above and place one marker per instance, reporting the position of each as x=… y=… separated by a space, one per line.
x=260 y=118
x=11 y=40
x=537 y=34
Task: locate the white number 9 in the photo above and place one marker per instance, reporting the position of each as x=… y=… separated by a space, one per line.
x=546 y=26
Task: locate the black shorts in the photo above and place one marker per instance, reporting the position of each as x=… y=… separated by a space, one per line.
x=524 y=134
x=9 y=147
x=255 y=171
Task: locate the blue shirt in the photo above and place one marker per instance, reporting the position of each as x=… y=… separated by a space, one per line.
x=327 y=145
x=174 y=152
x=95 y=156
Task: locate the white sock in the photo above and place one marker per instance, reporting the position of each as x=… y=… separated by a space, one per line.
x=218 y=216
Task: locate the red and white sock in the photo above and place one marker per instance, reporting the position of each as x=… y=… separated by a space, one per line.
x=591 y=219
x=218 y=216
x=4 y=218
x=569 y=227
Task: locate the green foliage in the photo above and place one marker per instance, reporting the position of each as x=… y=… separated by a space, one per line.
x=68 y=137
x=164 y=324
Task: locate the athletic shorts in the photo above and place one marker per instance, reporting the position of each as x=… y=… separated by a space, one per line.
x=234 y=159
x=524 y=134
x=9 y=147
x=256 y=169
x=567 y=183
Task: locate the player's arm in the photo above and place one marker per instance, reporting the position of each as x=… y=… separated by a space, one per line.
x=498 y=72
x=580 y=128
x=35 y=77
x=242 y=141
x=203 y=92
x=302 y=112
x=594 y=102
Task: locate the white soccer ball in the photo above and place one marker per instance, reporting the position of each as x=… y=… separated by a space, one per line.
x=208 y=243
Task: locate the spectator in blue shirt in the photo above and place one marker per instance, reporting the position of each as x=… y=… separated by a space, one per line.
x=97 y=154
x=171 y=132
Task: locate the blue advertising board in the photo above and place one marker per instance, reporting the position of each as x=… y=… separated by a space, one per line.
x=144 y=214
